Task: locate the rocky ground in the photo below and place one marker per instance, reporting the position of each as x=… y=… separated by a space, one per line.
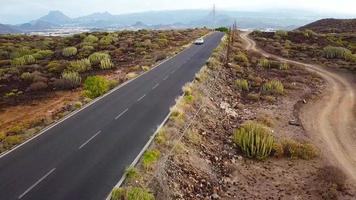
x=199 y=160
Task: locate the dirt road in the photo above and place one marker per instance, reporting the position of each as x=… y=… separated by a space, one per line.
x=331 y=119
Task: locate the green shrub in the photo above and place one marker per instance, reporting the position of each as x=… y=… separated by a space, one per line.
x=222 y=29
x=27 y=76
x=137 y=193
x=79 y=66
x=2 y=136
x=294 y=149
x=55 y=67
x=73 y=78
x=43 y=54
x=337 y=52
x=90 y=39
x=149 y=158
x=283 y=66
x=145 y=68
x=97 y=57
x=106 y=64
x=11 y=141
x=255 y=140
x=131 y=173
x=106 y=40
x=241 y=58
x=253 y=96
x=281 y=33
x=24 y=60
x=265 y=63
x=118 y=194
x=95 y=86
x=242 y=84
x=273 y=87
x=69 y=51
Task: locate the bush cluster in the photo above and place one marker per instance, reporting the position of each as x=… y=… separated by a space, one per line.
x=273 y=87
x=95 y=86
x=69 y=51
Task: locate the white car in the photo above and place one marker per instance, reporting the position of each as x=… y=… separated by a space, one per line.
x=199 y=41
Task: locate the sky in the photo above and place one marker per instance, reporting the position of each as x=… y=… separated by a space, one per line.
x=21 y=11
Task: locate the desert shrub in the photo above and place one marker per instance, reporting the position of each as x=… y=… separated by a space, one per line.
x=150 y=157
x=273 y=87
x=95 y=86
x=118 y=194
x=253 y=96
x=37 y=86
x=131 y=173
x=27 y=76
x=281 y=33
x=11 y=141
x=106 y=40
x=160 y=56
x=90 y=39
x=43 y=54
x=137 y=193
x=86 y=50
x=2 y=136
x=131 y=75
x=24 y=60
x=283 y=66
x=255 y=140
x=241 y=58
x=294 y=149
x=331 y=52
x=73 y=78
x=308 y=33
x=145 y=68
x=277 y=150
x=69 y=51
x=242 y=84
x=79 y=66
x=55 y=67
x=97 y=57
x=265 y=63
x=161 y=137
x=106 y=64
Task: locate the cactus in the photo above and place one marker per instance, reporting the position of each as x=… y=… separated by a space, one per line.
x=69 y=51
x=255 y=140
x=106 y=64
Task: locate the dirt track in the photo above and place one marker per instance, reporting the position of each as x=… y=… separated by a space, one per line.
x=330 y=119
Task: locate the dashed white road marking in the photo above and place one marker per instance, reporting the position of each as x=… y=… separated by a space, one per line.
x=165 y=78
x=172 y=72
x=85 y=143
x=139 y=99
x=154 y=87
x=37 y=182
x=121 y=114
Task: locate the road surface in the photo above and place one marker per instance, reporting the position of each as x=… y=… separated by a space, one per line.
x=83 y=157
x=332 y=118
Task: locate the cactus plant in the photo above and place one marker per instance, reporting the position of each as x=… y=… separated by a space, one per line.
x=255 y=140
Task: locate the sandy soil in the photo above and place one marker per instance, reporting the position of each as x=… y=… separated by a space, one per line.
x=331 y=119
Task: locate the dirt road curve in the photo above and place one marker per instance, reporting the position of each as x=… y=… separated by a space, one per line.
x=332 y=118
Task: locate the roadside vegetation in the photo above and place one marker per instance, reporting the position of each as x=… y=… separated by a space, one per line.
x=231 y=132
x=61 y=74
x=329 y=49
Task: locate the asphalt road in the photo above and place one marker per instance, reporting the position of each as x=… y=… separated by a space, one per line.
x=83 y=157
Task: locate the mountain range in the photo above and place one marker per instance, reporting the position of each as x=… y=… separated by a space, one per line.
x=274 y=19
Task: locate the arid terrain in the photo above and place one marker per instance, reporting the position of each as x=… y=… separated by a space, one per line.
x=42 y=78
x=196 y=154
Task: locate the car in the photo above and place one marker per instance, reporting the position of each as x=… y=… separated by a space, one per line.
x=199 y=41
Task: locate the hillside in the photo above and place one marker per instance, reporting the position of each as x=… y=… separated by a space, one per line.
x=332 y=26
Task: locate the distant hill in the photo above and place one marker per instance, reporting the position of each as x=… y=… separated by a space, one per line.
x=7 y=29
x=55 y=17
x=332 y=26
x=272 y=19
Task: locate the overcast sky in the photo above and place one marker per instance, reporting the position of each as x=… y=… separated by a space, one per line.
x=19 y=11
